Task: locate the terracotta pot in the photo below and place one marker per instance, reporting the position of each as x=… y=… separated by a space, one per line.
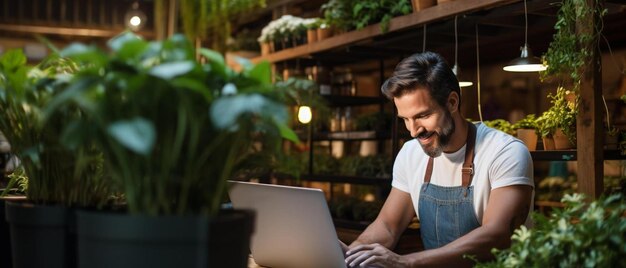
x=265 y=49
x=422 y=4
x=311 y=35
x=323 y=33
x=548 y=143
x=529 y=137
x=561 y=142
x=439 y=2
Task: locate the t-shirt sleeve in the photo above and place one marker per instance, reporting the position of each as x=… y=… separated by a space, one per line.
x=400 y=179
x=512 y=165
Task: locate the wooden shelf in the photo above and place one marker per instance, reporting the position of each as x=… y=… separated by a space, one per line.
x=415 y=19
x=570 y=155
x=340 y=179
x=352 y=135
x=342 y=101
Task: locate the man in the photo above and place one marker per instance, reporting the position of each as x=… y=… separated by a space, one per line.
x=470 y=186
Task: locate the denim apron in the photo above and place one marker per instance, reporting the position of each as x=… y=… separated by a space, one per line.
x=447 y=213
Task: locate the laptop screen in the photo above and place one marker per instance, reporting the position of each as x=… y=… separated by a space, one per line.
x=293 y=225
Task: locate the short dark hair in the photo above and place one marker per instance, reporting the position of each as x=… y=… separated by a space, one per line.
x=423 y=70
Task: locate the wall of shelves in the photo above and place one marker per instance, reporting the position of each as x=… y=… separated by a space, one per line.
x=370 y=49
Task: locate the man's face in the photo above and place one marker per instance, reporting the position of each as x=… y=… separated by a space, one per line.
x=429 y=123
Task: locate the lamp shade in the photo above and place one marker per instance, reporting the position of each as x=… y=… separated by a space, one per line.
x=134 y=18
x=455 y=70
x=526 y=62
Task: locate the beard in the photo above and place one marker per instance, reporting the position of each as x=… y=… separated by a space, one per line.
x=435 y=149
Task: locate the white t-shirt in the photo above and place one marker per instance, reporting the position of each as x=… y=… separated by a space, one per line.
x=499 y=160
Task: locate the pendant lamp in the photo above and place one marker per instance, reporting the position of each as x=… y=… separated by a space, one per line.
x=455 y=69
x=134 y=18
x=526 y=62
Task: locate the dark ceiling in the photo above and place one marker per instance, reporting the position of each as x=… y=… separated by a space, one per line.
x=500 y=33
x=500 y=30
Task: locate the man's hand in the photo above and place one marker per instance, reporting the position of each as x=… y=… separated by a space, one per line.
x=374 y=255
x=344 y=248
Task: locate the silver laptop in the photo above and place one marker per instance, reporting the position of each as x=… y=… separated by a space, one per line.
x=293 y=226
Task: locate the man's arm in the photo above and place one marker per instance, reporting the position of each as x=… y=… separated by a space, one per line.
x=393 y=218
x=507 y=209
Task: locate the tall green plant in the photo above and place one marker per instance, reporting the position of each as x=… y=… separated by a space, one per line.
x=57 y=175
x=173 y=130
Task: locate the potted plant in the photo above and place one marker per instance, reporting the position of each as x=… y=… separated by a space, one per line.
x=582 y=234
x=59 y=178
x=526 y=130
x=564 y=113
x=500 y=124
x=173 y=131
x=349 y=15
x=311 y=29
x=419 y=5
x=546 y=126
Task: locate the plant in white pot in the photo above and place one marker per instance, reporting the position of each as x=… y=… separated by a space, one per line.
x=59 y=178
x=173 y=131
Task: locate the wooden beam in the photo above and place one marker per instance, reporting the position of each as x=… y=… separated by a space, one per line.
x=590 y=132
x=68 y=31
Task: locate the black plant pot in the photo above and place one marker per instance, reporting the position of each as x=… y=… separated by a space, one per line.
x=5 y=239
x=123 y=240
x=41 y=236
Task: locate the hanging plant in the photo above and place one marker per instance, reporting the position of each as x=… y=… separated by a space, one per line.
x=570 y=50
x=212 y=19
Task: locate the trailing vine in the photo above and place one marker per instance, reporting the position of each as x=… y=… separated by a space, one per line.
x=570 y=51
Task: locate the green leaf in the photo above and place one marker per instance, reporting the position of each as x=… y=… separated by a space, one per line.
x=287 y=132
x=12 y=59
x=245 y=63
x=136 y=134
x=192 y=84
x=132 y=49
x=170 y=70
x=216 y=61
x=212 y=56
x=116 y=43
x=75 y=134
x=83 y=53
x=262 y=72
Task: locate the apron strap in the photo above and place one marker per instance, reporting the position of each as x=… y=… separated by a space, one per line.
x=467 y=171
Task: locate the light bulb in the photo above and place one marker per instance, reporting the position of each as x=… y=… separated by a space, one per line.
x=304 y=114
x=134 y=18
x=135 y=21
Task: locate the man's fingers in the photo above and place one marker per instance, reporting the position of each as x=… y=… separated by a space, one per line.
x=358 y=258
x=360 y=247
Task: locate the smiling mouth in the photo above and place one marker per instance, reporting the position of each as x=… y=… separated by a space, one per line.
x=425 y=136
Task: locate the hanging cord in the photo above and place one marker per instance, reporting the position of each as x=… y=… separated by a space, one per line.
x=526 y=25
x=480 y=113
x=424 y=40
x=456 y=43
x=606 y=109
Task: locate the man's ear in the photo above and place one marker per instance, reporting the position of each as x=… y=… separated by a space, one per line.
x=453 y=102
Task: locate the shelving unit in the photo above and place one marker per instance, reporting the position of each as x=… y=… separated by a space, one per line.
x=497 y=18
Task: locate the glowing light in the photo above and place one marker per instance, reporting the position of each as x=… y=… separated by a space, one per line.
x=304 y=114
